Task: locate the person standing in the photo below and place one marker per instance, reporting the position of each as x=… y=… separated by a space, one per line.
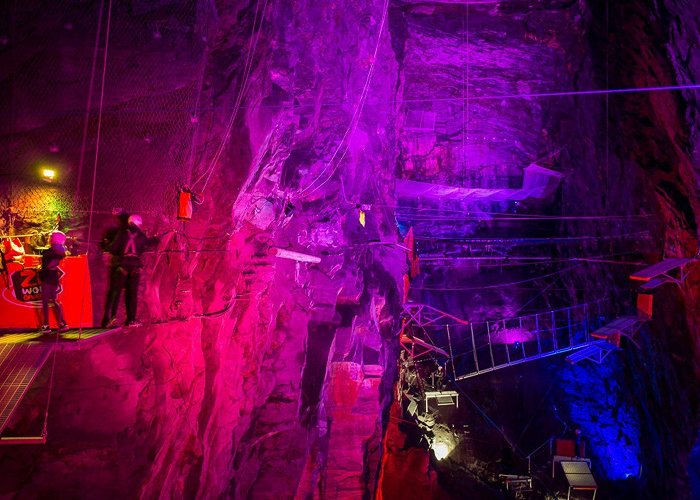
x=129 y=245
x=49 y=276
x=115 y=285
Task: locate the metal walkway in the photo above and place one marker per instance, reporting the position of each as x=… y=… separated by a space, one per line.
x=23 y=354
x=71 y=339
x=478 y=348
x=19 y=366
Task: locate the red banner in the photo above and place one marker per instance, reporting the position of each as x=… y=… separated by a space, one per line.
x=20 y=296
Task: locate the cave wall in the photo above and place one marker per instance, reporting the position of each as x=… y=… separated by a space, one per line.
x=257 y=376
x=254 y=374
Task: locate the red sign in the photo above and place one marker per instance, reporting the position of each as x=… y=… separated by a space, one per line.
x=20 y=296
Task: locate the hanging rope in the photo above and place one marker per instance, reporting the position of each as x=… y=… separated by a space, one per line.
x=45 y=431
x=198 y=100
x=88 y=106
x=354 y=121
x=97 y=155
x=239 y=98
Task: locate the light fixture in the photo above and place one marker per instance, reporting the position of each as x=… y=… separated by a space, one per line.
x=440 y=449
x=48 y=174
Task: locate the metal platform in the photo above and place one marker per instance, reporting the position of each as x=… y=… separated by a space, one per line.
x=66 y=340
x=625 y=326
x=19 y=366
x=22 y=355
x=660 y=273
x=443 y=398
x=653 y=284
x=578 y=475
x=596 y=351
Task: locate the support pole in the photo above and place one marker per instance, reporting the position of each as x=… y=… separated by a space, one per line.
x=476 y=358
x=488 y=336
x=452 y=358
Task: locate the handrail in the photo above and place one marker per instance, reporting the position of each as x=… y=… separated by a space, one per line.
x=490 y=345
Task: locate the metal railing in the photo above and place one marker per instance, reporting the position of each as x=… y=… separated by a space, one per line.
x=507 y=342
x=478 y=348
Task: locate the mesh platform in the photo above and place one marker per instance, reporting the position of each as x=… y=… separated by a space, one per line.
x=19 y=366
x=70 y=337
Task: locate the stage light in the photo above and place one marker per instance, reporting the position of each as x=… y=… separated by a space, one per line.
x=440 y=449
x=48 y=174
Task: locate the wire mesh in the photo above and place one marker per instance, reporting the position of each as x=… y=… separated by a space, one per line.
x=152 y=75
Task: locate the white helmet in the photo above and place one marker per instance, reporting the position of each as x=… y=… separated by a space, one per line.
x=57 y=238
x=135 y=220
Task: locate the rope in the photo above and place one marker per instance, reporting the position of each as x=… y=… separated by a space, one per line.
x=54 y=348
x=198 y=100
x=83 y=143
x=570 y=93
x=97 y=153
x=246 y=74
x=593 y=92
x=452 y=357
x=525 y=240
x=354 y=121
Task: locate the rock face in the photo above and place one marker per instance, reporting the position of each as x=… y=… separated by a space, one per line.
x=313 y=134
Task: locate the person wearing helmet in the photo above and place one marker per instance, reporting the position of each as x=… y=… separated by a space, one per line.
x=49 y=276
x=129 y=244
x=115 y=285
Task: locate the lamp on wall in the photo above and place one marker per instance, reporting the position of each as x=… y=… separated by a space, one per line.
x=48 y=174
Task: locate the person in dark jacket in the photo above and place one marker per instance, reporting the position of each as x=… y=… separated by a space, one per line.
x=49 y=276
x=115 y=285
x=129 y=245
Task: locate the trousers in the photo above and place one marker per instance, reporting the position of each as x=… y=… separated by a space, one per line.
x=114 y=290
x=129 y=280
x=49 y=293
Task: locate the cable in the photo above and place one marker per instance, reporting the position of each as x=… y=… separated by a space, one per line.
x=544 y=240
x=93 y=67
x=475 y=213
x=97 y=151
x=354 y=121
x=197 y=102
x=486 y=287
x=571 y=93
x=510 y=218
x=593 y=92
x=239 y=98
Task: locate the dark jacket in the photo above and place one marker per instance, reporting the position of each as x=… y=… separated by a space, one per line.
x=50 y=260
x=128 y=245
x=111 y=233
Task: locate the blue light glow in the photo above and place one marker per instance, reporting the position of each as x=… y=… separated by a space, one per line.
x=598 y=406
